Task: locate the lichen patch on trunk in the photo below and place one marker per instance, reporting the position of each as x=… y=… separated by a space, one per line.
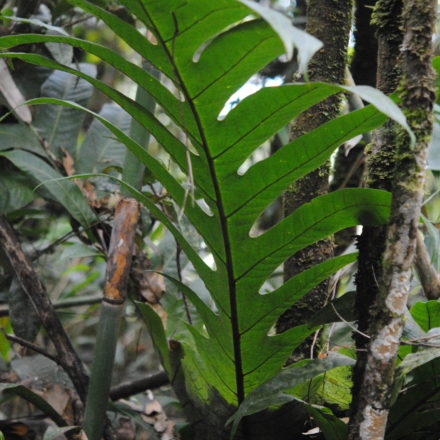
x=372 y=426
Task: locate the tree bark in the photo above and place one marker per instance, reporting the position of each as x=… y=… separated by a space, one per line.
x=349 y=167
x=324 y=16
x=364 y=64
x=380 y=164
x=418 y=97
x=37 y=294
x=428 y=276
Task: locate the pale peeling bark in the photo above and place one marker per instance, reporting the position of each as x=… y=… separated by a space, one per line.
x=380 y=165
x=418 y=95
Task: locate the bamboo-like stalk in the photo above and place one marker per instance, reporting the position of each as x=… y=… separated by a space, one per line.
x=118 y=270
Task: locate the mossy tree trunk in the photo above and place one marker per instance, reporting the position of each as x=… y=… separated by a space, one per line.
x=417 y=94
x=380 y=164
x=323 y=18
x=349 y=165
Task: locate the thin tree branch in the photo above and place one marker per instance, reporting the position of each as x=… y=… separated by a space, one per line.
x=429 y=278
x=37 y=294
x=31 y=346
x=68 y=303
x=128 y=389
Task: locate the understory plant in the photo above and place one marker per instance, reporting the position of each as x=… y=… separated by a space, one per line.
x=225 y=348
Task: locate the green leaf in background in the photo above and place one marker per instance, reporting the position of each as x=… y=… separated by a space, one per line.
x=19 y=136
x=306 y=44
x=416 y=407
x=64 y=191
x=78 y=250
x=332 y=312
x=57 y=125
x=434 y=148
x=273 y=392
x=426 y=314
x=16 y=190
x=156 y=330
x=332 y=427
x=100 y=149
x=415 y=360
x=332 y=387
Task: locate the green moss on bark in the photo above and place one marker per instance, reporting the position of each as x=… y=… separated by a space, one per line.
x=324 y=16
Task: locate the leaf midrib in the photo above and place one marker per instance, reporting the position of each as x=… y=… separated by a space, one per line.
x=239 y=377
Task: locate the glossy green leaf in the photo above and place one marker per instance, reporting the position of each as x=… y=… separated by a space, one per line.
x=292 y=38
x=332 y=427
x=16 y=190
x=416 y=407
x=434 y=148
x=415 y=360
x=157 y=333
x=65 y=192
x=338 y=309
x=57 y=125
x=100 y=149
x=19 y=136
x=273 y=391
x=426 y=314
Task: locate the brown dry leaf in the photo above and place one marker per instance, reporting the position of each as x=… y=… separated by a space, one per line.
x=151 y=285
x=86 y=187
x=163 y=426
x=153 y=414
x=125 y=430
x=89 y=191
x=68 y=162
x=59 y=398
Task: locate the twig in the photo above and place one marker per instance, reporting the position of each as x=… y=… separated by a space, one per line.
x=128 y=389
x=429 y=278
x=37 y=254
x=179 y=274
x=37 y=294
x=355 y=330
x=74 y=302
x=31 y=346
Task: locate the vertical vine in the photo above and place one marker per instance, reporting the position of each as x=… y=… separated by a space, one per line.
x=417 y=94
x=380 y=164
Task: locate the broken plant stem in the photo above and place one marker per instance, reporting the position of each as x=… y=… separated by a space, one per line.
x=118 y=270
